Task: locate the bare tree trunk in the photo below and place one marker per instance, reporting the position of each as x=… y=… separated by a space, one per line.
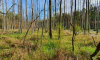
x=47 y=20
x=37 y=22
x=42 y=31
x=14 y=14
x=95 y=22
x=20 y=16
x=60 y=19
x=32 y=15
x=55 y=13
x=12 y=23
x=4 y=27
x=73 y=38
x=39 y=17
x=43 y=22
x=50 y=29
x=71 y=13
x=80 y=14
x=6 y=16
x=30 y=27
x=23 y=19
x=98 y=17
x=44 y=16
x=85 y=19
x=83 y=16
x=88 y=16
x=26 y=24
x=64 y=16
x=96 y=51
x=53 y=18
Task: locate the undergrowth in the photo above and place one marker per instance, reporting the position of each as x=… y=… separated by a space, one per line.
x=50 y=49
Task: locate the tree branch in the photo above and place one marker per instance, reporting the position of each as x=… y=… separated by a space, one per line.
x=30 y=26
x=94 y=41
x=8 y=10
x=71 y=24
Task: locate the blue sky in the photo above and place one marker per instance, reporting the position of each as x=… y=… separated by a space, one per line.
x=9 y=4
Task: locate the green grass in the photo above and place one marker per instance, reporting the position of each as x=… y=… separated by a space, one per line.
x=50 y=48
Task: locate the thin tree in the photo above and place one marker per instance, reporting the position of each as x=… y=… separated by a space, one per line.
x=32 y=15
x=86 y=21
x=48 y=18
x=20 y=16
x=26 y=22
x=50 y=30
x=71 y=13
x=95 y=14
x=73 y=38
x=39 y=17
x=4 y=28
x=60 y=19
x=53 y=18
x=55 y=11
x=43 y=21
x=44 y=16
x=12 y=19
x=30 y=27
x=64 y=15
x=98 y=17
x=88 y=16
x=14 y=14
x=6 y=15
x=37 y=22
x=2 y=17
x=83 y=13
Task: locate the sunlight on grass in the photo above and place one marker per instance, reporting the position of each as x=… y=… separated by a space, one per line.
x=50 y=48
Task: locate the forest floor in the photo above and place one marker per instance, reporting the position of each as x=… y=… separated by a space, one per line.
x=50 y=49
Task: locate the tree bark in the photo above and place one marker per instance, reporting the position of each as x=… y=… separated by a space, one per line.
x=14 y=15
x=30 y=27
x=98 y=17
x=4 y=27
x=32 y=15
x=50 y=29
x=60 y=19
x=71 y=13
x=55 y=15
x=26 y=22
x=6 y=16
x=20 y=16
x=73 y=38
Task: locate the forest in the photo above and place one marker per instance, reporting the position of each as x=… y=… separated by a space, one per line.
x=49 y=29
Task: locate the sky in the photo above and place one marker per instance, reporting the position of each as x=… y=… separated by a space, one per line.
x=29 y=12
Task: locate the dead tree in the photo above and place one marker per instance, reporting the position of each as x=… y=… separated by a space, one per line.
x=98 y=17
x=14 y=14
x=59 y=19
x=94 y=41
x=73 y=37
x=20 y=16
x=96 y=51
x=32 y=14
x=50 y=29
x=71 y=13
x=30 y=27
x=43 y=22
x=5 y=14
